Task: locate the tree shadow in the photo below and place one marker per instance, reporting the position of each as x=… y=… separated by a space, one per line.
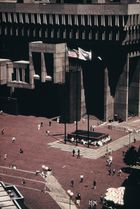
x=132 y=188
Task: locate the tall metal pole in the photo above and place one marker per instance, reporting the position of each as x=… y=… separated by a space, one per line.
x=77 y=97
x=88 y=129
x=65 y=124
x=65 y=104
x=69 y=202
x=129 y=138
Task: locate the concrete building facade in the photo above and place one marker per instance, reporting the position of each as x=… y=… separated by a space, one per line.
x=35 y=37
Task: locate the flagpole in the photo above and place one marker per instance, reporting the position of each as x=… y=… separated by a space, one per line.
x=76 y=101
x=65 y=94
x=88 y=128
x=82 y=55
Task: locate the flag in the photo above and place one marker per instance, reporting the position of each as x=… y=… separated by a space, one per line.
x=80 y=54
x=84 y=55
x=73 y=53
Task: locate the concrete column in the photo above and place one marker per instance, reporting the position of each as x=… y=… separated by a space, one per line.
x=43 y=68
x=60 y=63
x=3 y=71
x=23 y=74
x=83 y=103
x=108 y=99
x=121 y=94
x=74 y=94
x=31 y=69
x=17 y=74
x=138 y=72
x=10 y=71
x=134 y=91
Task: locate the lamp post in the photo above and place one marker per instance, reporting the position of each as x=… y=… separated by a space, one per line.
x=130 y=137
x=70 y=194
x=132 y=131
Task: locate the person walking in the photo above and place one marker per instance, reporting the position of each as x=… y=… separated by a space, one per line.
x=113 y=171
x=5 y=156
x=41 y=124
x=50 y=123
x=119 y=172
x=23 y=181
x=81 y=178
x=78 y=153
x=109 y=171
x=48 y=132
x=73 y=152
x=13 y=139
x=72 y=183
x=94 y=184
x=21 y=151
x=2 y=131
x=78 y=199
x=38 y=126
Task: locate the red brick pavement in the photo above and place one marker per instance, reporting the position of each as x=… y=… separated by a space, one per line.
x=36 y=152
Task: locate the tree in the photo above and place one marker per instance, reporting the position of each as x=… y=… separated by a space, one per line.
x=138 y=158
x=131 y=156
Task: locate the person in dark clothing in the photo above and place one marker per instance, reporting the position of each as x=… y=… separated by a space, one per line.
x=78 y=199
x=2 y=131
x=72 y=183
x=50 y=123
x=78 y=153
x=21 y=151
x=73 y=152
x=94 y=184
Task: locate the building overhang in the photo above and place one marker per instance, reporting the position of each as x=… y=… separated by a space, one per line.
x=84 y=9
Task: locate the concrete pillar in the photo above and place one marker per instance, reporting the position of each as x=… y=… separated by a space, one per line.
x=108 y=99
x=134 y=91
x=43 y=68
x=31 y=70
x=83 y=103
x=121 y=94
x=138 y=89
x=74 y=95
x=5 y=70
x=17 y=74
x=10 y=71
x=23 y=74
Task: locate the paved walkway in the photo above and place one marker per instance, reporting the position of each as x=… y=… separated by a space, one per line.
x=99 y=152
x=56 y=190
x=58 y=193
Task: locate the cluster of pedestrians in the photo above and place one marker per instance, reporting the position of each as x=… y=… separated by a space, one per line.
x=13 y=140
x=112 y=171
x=92 y=204
x=76 y=154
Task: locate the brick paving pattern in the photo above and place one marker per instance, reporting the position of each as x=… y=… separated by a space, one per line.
x=40 y=149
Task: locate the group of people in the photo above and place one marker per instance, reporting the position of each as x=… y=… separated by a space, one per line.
x=92 y=204
x=74 y=153
x=13 y=139
x=112 y=171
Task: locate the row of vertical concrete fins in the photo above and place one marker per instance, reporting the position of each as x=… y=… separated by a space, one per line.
x=85 y=27
x=71 y=19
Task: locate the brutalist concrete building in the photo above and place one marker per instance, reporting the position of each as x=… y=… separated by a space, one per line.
x=45 y=67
